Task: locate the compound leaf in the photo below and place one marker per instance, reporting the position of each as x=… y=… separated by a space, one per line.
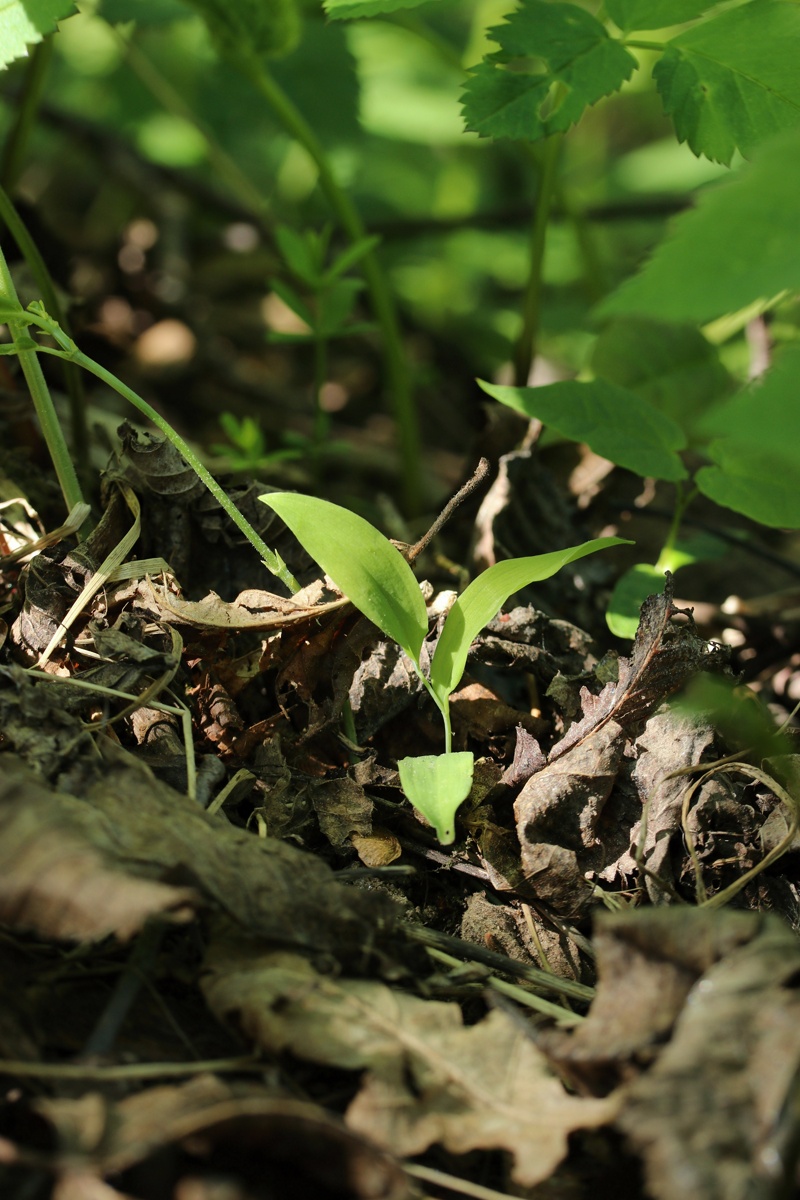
x=738 y=245
x=756 y=453
x=654 y=14
x=25 y=22
x=483 y=599
x=362 y=563
x=612 y=421
x=575 y=64
x=732 y=82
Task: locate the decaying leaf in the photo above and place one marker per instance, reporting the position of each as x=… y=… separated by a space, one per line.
x=57 y=881
x=560 y=809
x=429 y=1078
x=208 y=1129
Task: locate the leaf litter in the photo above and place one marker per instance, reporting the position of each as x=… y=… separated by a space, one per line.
x=210 y=873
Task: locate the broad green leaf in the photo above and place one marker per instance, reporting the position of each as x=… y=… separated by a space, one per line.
x=336 y=305
x=436 y=784
x=144 y=12
x=672 y=366
x=482 y=600
x=740 y=243
x=362 y=563
x=575 y=63
x=756 y=451
x=732 y=82
x=270 y=28
x=629 y=594
x=654 y=14
x=612 y=421
x=25 y=22
x=344 y=9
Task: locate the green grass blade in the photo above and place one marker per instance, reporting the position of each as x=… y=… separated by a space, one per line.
x=484 y=598
x=361 y=562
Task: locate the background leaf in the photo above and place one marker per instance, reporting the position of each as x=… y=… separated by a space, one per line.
x=732 y=82
x=483 y=599
x=612 y=421
x=629 y=594
x=673 y=367
x=739 y=244
x=654 y=14
x=362 y=563
x=25 y=22
x=756 y=453
x=581 y=64
x=341 y=9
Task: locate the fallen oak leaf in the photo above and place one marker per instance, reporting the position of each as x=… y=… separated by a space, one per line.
x=429 y=1079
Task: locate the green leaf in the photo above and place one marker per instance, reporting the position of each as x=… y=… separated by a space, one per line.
x=269 y=28
x=739 y=244
x=143 y=12
x=756 y=453
x=336 y=306
x=483 y=599
x=436 y=784
x=612 y=421
x=298 y=255
x=575 y=63
x=654 y=14
x=362 y=563
x=25 y=22
x=345 y=9
x=673 y=367
x=629 y=594
x=350 y=256
x=732 y=82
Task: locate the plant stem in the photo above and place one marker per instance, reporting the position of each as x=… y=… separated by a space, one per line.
x=639 y=44
x=683 y=499
x=525 y=351
x=42 y=400
x=273 y=562
x=19 y=134
x=380 y=293
x=72 y=376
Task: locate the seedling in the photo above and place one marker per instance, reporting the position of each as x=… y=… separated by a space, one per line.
x=373 y=574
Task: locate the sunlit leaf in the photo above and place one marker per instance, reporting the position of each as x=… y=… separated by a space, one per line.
x=732 y=82
x=436 y=784
x=654 y=14
x=628 y=596
x=25 y=22
x=612 y=421
x=483 y=599
x=362 y=563
x=739 y=244
x=581 y=64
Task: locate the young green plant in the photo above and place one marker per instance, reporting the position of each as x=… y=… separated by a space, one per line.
x=375 y=577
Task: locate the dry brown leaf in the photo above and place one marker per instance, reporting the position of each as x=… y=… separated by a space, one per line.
x=55 y=881
x=430 y=1079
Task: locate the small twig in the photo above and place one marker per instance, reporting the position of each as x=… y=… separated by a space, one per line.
x=453 y=1183
x=476 y=479
x=165 y=1070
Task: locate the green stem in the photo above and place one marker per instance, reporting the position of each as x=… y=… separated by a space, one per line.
x=639 y=44
x=19 y=135
x=42 y=400
x=72 y=376
x=322 y=421
x=380 y=293
x=683 y=499
x=273 y=562
x=525 y=351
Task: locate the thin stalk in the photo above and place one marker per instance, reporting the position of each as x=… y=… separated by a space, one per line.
x=16 y=143
x=683 y=499
x=273 y=562
x=640 y=44
x=377 y=284
x=525 y=351
x=49 y=423
x=72 y=376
